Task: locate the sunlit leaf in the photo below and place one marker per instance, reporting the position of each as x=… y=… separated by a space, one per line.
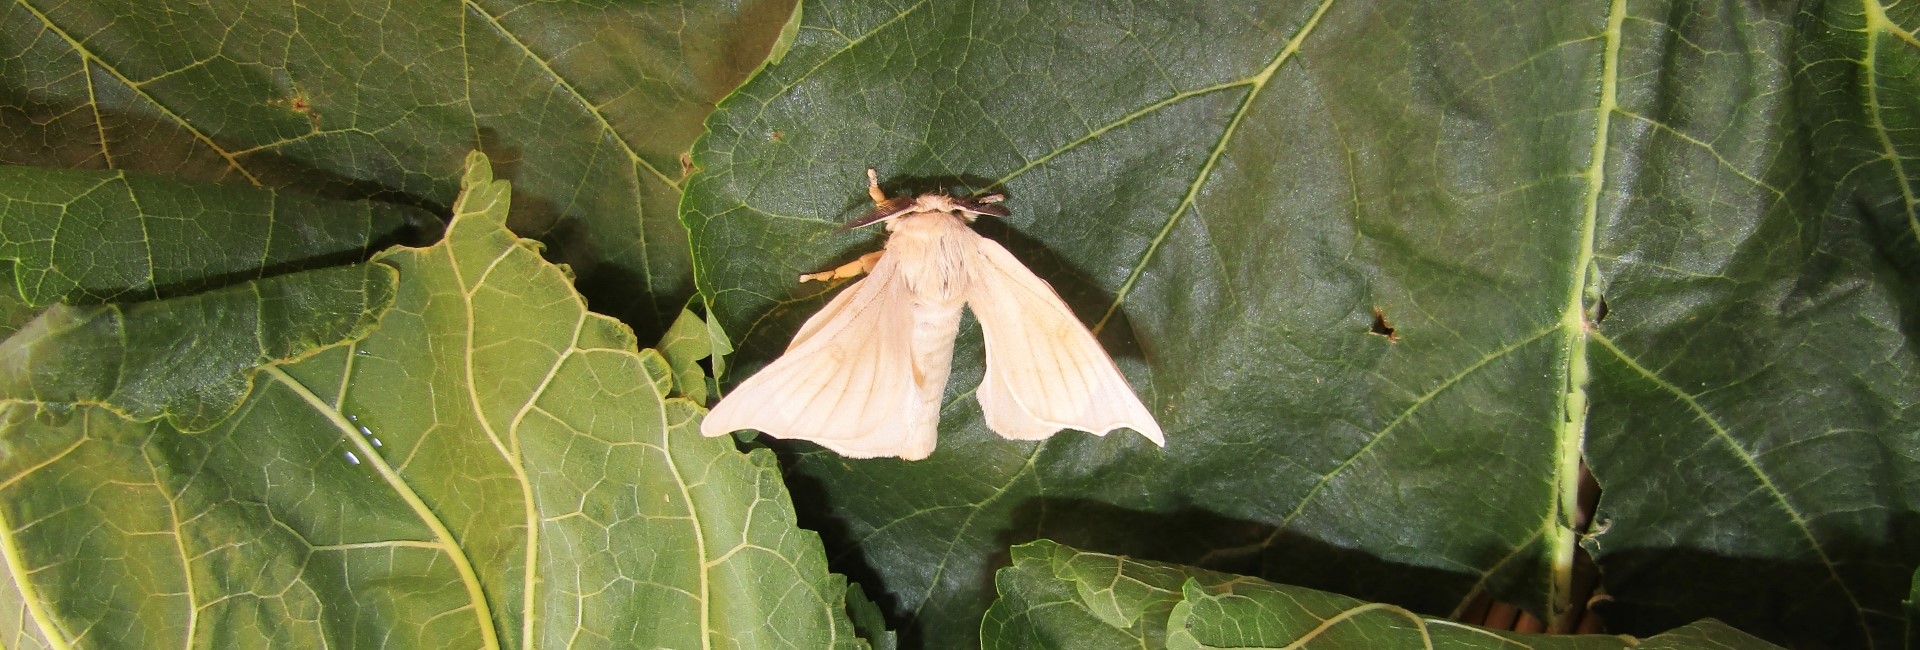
x=690 y=340
x=191 y=359
x=492 y=466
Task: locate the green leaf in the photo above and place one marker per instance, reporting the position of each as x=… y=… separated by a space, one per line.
x=1055 y=596
x=683 y=346
x=1674 y=235
x=492 y=466
x=1753 y=387
x=1059 y=597
x=1708 y=633
x=191 y=359
x=688 y=341
x=18 y=621
x=90 y=237
x=868 y=620
x=722 y=345
x=587 y=107
x=1913 y=613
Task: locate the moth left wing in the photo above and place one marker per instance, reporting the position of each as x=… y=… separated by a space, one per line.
x=1045 y=371
x=847 y=380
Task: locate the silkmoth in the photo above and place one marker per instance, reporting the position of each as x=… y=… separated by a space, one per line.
x=864 y=376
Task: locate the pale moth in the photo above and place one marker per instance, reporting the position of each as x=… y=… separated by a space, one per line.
x=864 y=376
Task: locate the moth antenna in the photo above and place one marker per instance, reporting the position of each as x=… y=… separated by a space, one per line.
x=873 y=188
x=885 y=210
x=985 y=204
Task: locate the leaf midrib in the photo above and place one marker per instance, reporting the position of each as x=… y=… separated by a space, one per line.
x=88 y=58
x=1876 y=20
x=1258 y=83
x=17 y=568
x=1752 y=463
x=509 y=447
x=1571 y=429
x=579 y=97
x=448 y=544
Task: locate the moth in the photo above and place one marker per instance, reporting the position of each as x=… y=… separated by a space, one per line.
x=864 y=376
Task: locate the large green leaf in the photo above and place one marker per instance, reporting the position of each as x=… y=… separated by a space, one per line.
x=492 y=466
x=87 y=237
x=1754 y=383
x=191 y=359
x=586 y=106
x=1053 y=596
x=1371 y=264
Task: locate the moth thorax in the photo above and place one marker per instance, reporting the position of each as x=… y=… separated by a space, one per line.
x=932 y=249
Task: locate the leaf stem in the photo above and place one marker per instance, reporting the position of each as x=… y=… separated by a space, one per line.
x=1570 y=439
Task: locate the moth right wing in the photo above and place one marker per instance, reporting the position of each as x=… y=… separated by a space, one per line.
x=1045 y=371
x=846 y=382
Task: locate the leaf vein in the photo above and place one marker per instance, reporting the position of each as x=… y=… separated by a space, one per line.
x=1460 y=607
x=1752 y=464
x=851 y=43
x=959 y=533
x=476 y=594
x=1705 y=146
x=578 y=97
x=1405 y=413
x=1876 y=18
x=1122 y=121
x=88 y=55
x=1258 y=82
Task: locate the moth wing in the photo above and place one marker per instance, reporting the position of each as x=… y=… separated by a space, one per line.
x=846 y=381
x=1045 y=371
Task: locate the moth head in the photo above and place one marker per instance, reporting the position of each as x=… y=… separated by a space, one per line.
x=969 y=208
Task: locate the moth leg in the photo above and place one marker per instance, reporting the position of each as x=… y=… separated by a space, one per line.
x=848 y=270
x=873 y=188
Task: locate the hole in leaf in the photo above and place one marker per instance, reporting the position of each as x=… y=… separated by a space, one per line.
x=299 y=103
x=1381 y=327
x=1599 y=310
